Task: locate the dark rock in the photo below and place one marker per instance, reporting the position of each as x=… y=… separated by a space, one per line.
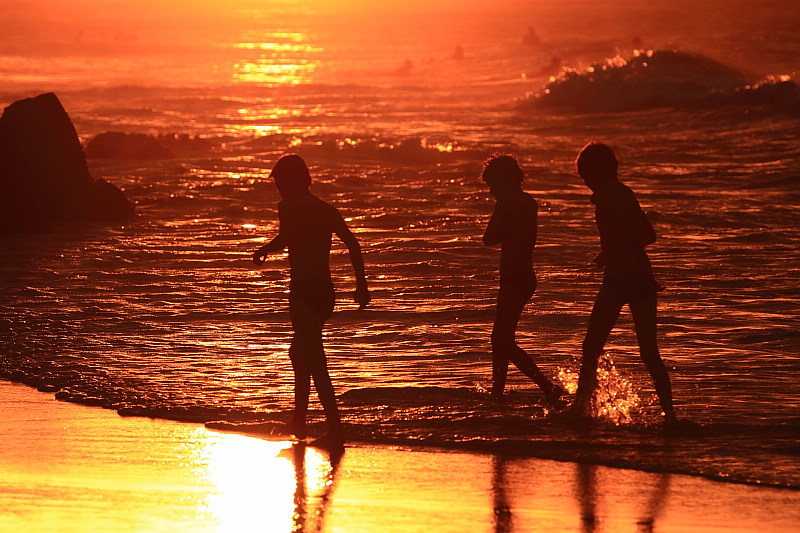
x=119 y=145
x=44 y=179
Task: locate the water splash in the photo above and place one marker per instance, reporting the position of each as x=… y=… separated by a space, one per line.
x=616 y=399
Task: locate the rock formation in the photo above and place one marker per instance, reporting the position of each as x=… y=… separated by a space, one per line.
x=44 y=178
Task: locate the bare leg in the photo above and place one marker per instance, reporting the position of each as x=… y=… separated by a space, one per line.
x=510 y=304
x=644 y=318
x=308 y=360
x=327 y=396
x=604 y=315
x=302 y=390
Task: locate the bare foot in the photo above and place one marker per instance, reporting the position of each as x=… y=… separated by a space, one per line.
x=555 y=397
x=298 y=429
x=332 y=442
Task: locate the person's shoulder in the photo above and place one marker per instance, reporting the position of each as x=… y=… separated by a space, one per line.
x=322 y=205
x=613 y=191
x=529 y=200
x=624 y=189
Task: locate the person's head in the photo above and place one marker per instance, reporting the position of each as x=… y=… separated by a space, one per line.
x=502 y=174
x=597 y=164
x=291 y=175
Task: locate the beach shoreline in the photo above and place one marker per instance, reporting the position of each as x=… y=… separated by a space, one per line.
x=68 y=467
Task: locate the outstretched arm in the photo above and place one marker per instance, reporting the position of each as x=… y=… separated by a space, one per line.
x=275 y=245
x=361 y=296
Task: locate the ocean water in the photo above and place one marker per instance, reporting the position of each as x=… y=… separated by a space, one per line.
x=394 y=108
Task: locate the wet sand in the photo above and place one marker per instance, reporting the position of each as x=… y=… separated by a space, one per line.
x=66 y=467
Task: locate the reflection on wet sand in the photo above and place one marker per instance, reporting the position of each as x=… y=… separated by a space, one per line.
x=315 y=475
x=257 y=483
x=74 y=469
x=605 y=499
x=591 y=489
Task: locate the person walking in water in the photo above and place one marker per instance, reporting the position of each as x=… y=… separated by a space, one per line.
x=624 y=231
x=513 y=227
x=307 y=224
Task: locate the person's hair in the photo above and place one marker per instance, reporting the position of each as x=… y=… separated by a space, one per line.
x=597 y=160
x=502 y=167
x=291 y=174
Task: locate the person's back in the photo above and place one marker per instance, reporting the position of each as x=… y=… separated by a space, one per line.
x=307 y=224
x=624 y=229
x=519 y=236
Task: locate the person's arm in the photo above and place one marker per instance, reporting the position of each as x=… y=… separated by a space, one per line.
x=361 y=296
x=647 y=235
x=495 y=229
x=277 y=244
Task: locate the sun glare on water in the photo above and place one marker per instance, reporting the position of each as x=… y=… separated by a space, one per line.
x=256 y=484
x=275 y=58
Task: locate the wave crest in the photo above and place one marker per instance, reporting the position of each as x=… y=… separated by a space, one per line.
x=663 y=78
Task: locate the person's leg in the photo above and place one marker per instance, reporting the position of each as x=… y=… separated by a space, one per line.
x=523 y=361
x=510 y=304
x=644 y=310
x=604 y=315
x=302 y=390
x=499 y=358
x=327 y=396
x=308 y=319
x=305 y=351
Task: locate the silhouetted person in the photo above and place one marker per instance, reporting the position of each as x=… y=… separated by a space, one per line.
x=627 y=276
x=513 y=227
x=306 y=226
x=405 y=69
x=531 y=38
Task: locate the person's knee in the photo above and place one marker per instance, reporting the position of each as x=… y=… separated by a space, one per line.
x=502 y=339
x=652 y=360
x=591 y=349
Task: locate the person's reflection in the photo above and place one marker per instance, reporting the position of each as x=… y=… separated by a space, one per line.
x=655 y=504
x=501 y=509
x=587 y=496
x=309 y=510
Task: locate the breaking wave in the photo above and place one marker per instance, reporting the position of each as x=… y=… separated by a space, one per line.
x=662 y=78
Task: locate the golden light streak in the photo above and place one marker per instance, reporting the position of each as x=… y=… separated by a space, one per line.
x=259 y=485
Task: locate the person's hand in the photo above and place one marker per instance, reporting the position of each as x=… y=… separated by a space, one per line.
x=259 y=257
x=362 y=297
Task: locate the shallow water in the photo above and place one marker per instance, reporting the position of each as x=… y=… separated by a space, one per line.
x=167 y=316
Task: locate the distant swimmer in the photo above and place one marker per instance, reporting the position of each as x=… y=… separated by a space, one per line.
x=624 y=231
x=513 y=226
x=531 y=38
x=405 y=69
x=307 y=224
x=552 y=68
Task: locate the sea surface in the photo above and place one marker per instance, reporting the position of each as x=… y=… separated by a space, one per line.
x=395 y=107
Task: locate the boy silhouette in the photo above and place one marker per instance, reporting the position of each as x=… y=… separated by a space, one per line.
x=513 y=227
x=307 y=224
x=627 y=277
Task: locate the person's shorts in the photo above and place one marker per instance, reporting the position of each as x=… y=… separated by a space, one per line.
x=631 y=286
x=517 y=287
x=319 y=296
